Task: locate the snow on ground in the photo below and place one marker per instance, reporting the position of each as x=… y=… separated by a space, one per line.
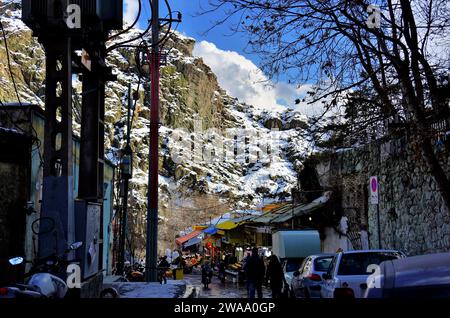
x=173 y=289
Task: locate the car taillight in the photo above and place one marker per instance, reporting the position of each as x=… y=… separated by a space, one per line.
x=314 y=277
x=344 y=293
x=3 y=291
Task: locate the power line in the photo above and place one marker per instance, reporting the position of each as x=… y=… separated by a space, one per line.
x=199 y=209
x=9 y=63
x=131 y=26
x=140 y=36
x=34 y=134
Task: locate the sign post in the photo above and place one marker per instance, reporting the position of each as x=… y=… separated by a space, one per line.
x=374 y=199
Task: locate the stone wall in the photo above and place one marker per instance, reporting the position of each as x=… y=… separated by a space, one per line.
x=413 y=216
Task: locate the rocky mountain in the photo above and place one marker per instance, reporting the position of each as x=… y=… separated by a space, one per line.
x=216 y=153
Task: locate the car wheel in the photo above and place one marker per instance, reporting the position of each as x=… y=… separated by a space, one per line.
x=306 y=293
x=291 y=293
x=109 y=293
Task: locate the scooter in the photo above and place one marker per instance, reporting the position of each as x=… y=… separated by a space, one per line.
x=43 y=282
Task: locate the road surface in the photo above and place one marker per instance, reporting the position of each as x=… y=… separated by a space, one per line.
x=219 y=290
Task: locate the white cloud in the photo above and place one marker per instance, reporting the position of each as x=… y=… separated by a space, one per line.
x=241 y=78
x=131 y=11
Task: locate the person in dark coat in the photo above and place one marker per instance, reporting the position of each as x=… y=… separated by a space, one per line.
x=163 y=266
x=207 y=274
x=276 y=276
x=254 y=271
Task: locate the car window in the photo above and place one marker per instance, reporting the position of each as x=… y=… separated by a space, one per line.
x=302 y=267
x=293 y=265
x=322 y=264
x=307 y=266
x=358 y=263
x=332 y=265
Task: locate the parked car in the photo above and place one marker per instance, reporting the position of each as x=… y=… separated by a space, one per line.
x=424 y=276
x=307 y=281
x=290 y=266
x=349 y=271
x=292 y=247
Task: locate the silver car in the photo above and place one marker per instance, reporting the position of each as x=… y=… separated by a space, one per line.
x=307 y=281
x=349 y=272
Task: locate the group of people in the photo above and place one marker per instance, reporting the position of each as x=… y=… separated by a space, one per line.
x=256 y=274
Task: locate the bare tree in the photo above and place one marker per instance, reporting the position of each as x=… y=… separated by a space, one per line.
x=378 y=54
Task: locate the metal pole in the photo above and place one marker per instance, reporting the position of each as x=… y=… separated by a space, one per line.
x=152 y=191
x=379 y=226
x=125 y=179
x=57 y=195
x=293 y=226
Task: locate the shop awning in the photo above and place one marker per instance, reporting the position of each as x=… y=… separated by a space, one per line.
x=288 y=211
x=233 y=223
x=187 y=237
x=271 y=206
x=193 y=241
x=199 y=227
x=213 y=230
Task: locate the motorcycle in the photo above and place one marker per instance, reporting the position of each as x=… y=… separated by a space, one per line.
x=134 y=273
x=44 y=282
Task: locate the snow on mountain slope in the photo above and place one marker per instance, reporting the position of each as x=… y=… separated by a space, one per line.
x=215 y=151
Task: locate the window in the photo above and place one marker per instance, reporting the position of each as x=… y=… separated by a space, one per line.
x=322 y=264
x=332 y=267
x=357 y=263
x=308 y=267
x=305 y=265
x=293 y=265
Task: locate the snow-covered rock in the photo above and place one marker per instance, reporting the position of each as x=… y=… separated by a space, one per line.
x=211 y=144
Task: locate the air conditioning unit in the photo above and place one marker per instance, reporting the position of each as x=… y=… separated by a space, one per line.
x=43 y=14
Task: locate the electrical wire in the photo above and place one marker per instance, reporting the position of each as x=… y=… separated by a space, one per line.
x=34 y=134
x=131 y=26
x=121 y=44
x=162 y=41
x=9 y=63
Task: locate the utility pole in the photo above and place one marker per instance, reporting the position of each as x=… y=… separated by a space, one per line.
x=152 y=191
x=127 y=173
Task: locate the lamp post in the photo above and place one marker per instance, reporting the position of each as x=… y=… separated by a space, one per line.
x=126 y=168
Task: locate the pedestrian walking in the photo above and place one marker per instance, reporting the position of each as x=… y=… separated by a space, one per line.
x=206 y=274
x=254 y=269
x=275 y=276
x=222 y=268
x=163 y=266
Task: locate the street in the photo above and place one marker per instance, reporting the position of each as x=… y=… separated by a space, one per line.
x=219 y=290
x=309 y=148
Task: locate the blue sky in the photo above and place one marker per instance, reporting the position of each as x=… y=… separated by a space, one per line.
x=195 y=26
x=237 y=71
